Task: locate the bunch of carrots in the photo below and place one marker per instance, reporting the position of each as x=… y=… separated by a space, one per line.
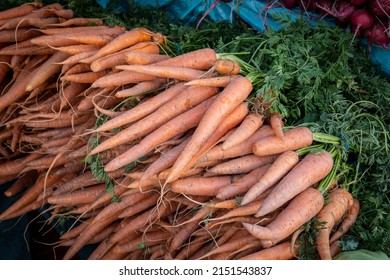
x=154 y=156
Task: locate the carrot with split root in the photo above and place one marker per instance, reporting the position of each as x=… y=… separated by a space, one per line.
x=232 y=96
x=278 y=169
x=340 y=201
x=174 y=127
x=347 y=222
x=310 y=170
x=248 y=126
x=299 y=211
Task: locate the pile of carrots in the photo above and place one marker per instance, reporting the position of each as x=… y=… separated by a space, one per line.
x=156 y=157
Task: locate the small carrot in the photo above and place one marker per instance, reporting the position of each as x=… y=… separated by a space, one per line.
x=142 y=58
x=276 y=122
x=248 y=126
x=294 y=139
x=21 y=183
x=227 y=67
x=212 y=82
x=299 y=211
x=282 y=251
x=279 y=168
x=78 y=22
x=310 y=170
x=141 y=88
x=241 y=165
x=340 y=201
x=347 y=222
x=121 y=78
x=84 y=78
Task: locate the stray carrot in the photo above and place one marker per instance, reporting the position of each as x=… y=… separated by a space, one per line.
x=227 y=67
x=340 y=201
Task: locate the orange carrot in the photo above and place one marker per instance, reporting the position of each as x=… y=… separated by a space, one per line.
x=20 y=10
x=212 y=82
x=347 y=222
x=227 y=67
x=299 y=211
x=140 y=206
x=175 y=126
x=276 y=122
x=125 y=40
x=241 y=165
x=233 y=95
x=148 y=239
x=142 y=58
x=141 y=88
x=84 y=78
x=85 y=195
x=79 y=22
x=201 y=59
x=121 y=78
x=248 y=126
x=77 y=58
x=185 y=100
x=294 y=139
x=282 y=251
x=46 y=70
x=243 y=184
x=21 y=183
x=76 y=49
x=279 y=168
x=310 y=170
x=201 y=186
x=25 y=21
x=19 y=35
x=340 y=201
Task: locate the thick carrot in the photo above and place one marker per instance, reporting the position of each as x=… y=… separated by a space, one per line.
x=347 y=222
x=19 y=35
x=52 y=41
x=294 y=139
x=340 y=201
x=125 y=40
x=142 y=58
x=25 y=21
x=226 y=67
x=299 y=211
x=141 y=88
x=174 y=127
x=100 y=37
x=279 y=168
x=241 y=165
x=201 y=59
x=276 y=122
x=248 y=126
x=121 y=78
x=242 y=185
x=20 y=10
x=282 y=251
x=201 y=186
x=46 y=70
x=181 y=103
x=79 y=22
x=233 y=95
x=173 y=72
x=212 y=82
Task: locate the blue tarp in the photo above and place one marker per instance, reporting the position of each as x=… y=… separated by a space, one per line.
x=255 y=13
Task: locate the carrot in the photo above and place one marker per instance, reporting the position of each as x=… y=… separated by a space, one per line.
x=282 y=251
x=141 y=88
x=21 y=183
x=142 y=58
x=340 y=201
x=115 y=59
x=120 y=79
x=201 y=59
x=25 y=21
x=30 y=195
x=185 y=100
x=347 y=222
x=299 y=211
x=242 y=185
x=125 y=40
x=52 y=41
x=276 y=122
x=140 y=206
x=212 y=82
x=148 y=239
x=177 y=73
x=227 y=67
x=84 y=78
x=279 y=168
x=46 y=70
x=65 y=13
x=76 y=49
x=85 y=195
x=241 y=165
x=175 y=126
x=310 y=170
x=294 y=139
x=228 y=204
x=19 y=35
x=20 y=10
x=99 y=37
x=16 y=166
x=53 y=30
x=234 y=94
x=79 y=22
x=201 y=186
x=77 y=58
x=249 y=125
